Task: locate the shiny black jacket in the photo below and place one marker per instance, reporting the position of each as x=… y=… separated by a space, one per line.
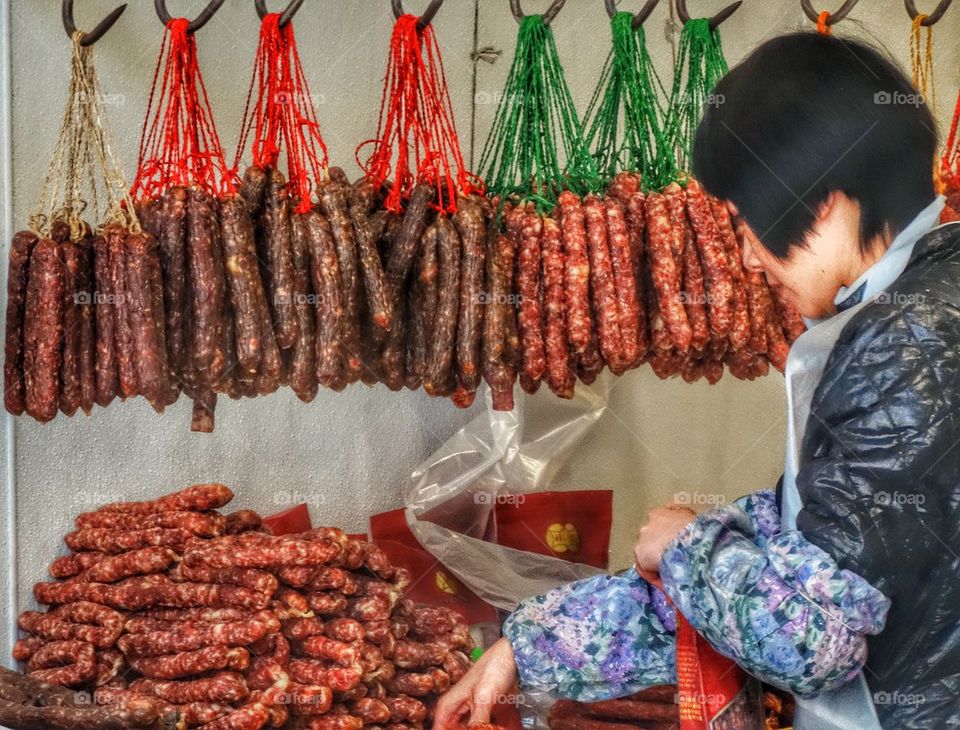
x=880 y=479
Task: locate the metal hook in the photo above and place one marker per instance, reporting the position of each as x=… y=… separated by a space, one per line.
x=547 y=16
x=836 y=17
x=933 y=17
x=197 y=23
x=716 y=20
x=292 y=7
x=427 y=16
x=639 y=18
x=97 y=33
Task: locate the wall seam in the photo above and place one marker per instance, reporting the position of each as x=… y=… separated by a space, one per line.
x=6 y=174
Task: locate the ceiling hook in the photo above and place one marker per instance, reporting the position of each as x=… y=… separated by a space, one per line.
x=197 y=23
x=716 y=20
x=639 y=18
x=292 y=7
x=548 y=16
x=97 y=33
x=933 y=17
x=427 y=16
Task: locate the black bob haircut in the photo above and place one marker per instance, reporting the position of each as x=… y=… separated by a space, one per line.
x=805 y=115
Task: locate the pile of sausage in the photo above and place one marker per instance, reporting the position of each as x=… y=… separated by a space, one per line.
x=654 y=708
x=170 y=609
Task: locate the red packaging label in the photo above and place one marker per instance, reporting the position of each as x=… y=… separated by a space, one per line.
x=295 y=519
x=574 y=526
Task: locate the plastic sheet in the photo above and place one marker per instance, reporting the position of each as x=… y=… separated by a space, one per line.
x=450 y=497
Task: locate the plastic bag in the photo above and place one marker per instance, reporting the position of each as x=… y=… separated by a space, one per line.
x=450 y=498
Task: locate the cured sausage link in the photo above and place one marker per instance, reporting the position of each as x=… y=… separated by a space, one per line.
x=43 y=331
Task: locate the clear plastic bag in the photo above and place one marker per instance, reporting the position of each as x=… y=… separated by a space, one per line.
x=450 y=497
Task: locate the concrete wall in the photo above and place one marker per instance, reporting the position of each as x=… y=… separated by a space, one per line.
x=346 y=454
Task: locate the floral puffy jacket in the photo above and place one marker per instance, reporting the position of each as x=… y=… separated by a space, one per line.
x=773 y=602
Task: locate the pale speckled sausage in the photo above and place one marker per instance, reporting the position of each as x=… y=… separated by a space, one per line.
x=220 y=687
x=740 y=326
x=560 y=378
x=713 y=256
x=529 y=304
x=664 y=273
x=185 y=664
x=577 y=277
x=621 y=258
x=43 y=331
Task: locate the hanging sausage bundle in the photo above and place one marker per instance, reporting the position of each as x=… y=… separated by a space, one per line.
x=542 y=322
x=425 y=327
x=61 y=351
x=175 y=615
x=182 y=181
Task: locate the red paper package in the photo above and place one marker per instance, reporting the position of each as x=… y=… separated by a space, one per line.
x=295 y=519
x=431 y=582
x=574 y=526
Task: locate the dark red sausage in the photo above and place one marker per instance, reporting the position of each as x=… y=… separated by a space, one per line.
x=18 y=270
x=443 y=339
x=43 y=331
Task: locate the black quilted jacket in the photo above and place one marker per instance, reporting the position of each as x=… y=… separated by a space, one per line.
x=880 y=479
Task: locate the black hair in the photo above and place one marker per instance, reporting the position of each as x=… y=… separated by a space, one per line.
x=805 y=115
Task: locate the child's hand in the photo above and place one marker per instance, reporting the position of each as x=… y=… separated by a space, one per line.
x=492 y=677
x=663 y=525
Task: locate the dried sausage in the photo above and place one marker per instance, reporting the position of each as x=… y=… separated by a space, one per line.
x=713 y=255
x=529 y=306
x=70 y=360
x=339 y=678
x=560 y=378
x=69 y=663
x=378 y=294
x=422 y=307
x=173 y=263
x=203 y=524
x=664 y=272
x=220 y=687
x=470 y=223
x=107 y=381
x=334 y=206
x=443 y=340
x=740 y=327
x=207 y=659
x=199 y=497
x=258 y=580
x=303 y=359
x=79 y=621
x=149 y=353
x=18 y=270
x=327 y=283
x=273 y=553
x=245 y=287
x=122 y=329
x=145 y=561
x=43 y=331
x=621 y=258
x=694 y=290
x=499 y=369
x=277 y=258
x=577 y=276
x=185 y=638
x=105 y=540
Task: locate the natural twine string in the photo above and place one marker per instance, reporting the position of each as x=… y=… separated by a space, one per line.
x=83 y=172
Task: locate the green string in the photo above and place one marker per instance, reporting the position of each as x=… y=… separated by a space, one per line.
x=536 y=121
x=624 y=121
x=700 y=64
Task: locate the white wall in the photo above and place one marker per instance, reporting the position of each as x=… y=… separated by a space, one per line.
x=345 y=454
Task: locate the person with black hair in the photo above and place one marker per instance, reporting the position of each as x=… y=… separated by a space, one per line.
x=842 y=586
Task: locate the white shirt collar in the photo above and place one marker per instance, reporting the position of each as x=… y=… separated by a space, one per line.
x=893 y=262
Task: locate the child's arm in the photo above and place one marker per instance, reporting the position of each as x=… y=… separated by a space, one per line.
x=595 y=639
x=772 y=601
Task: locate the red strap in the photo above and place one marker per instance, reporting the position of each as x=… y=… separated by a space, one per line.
x=282 y=117
x=417 y=135
x=179 y=144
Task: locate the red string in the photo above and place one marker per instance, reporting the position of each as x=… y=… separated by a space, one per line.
x=179 y=144
x=823 y=27
x=417 y=136
x=950 y=162
x=282 y=117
